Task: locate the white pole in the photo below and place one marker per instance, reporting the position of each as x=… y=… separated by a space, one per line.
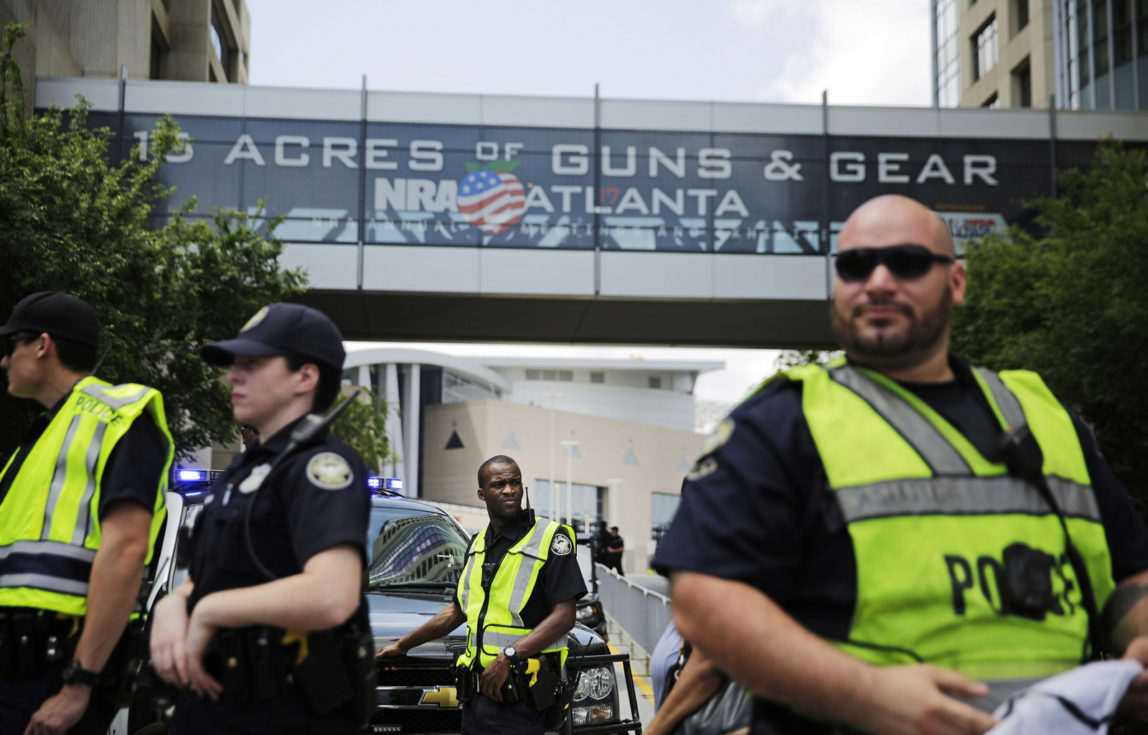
x=553 y=488
x=569 y=493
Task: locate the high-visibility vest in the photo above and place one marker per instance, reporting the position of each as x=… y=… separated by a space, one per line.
x=494 y=620
x=930 y=518
x=49 y=519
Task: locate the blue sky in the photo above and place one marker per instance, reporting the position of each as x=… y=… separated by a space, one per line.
x=861 y=53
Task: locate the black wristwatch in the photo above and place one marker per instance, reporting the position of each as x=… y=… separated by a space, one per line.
x=511 y=654
x=75 y=673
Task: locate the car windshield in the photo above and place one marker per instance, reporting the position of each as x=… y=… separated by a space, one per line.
x=414 y=548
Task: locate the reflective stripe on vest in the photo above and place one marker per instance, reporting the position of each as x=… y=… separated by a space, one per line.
x=500 y=616
x=49 y=530
x=930 y=519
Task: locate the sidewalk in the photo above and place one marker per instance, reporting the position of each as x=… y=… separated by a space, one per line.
x=639 y=664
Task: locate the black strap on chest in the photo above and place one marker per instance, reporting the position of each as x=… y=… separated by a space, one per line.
x=1024 y=459
x=302 y=435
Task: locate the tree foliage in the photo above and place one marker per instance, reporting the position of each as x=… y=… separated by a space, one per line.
x=73 y=219
x=1072 y=304
x=362 y=425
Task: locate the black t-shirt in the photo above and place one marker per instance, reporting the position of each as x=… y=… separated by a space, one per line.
x=312 y=501
x=560 y=579
x=133 y=470
x=758 y=509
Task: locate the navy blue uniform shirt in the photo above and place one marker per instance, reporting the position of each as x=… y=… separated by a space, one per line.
x=314 y=500
x=758 y=509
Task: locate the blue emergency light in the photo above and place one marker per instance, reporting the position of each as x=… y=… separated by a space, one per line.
x=394 y=483
x=374 y=482
x=192 y=475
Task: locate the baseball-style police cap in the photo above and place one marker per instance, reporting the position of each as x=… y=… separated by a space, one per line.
x=60 y=314
x=282 y=329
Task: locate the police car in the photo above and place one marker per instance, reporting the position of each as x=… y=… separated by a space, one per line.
x=417 y=554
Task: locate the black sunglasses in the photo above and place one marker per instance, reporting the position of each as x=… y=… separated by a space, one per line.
x=9 y=343
x=903 y=261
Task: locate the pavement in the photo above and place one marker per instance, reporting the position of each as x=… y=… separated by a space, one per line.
x=639 y=666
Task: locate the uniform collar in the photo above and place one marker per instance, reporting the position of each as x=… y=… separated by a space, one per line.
x=277 y=443
x=512 y=531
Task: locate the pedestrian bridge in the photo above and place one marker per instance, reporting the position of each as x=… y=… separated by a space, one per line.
x=496 y=218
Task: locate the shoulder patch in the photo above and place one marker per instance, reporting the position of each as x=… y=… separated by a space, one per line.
x=329 y=471
x=719 y=436
x=560 y=544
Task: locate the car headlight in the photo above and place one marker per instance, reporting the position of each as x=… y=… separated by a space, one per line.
x=588 y=612
x=595 y=683
x=593 y=715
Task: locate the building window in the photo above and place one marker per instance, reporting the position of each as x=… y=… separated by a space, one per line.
x=597 y=377
x=655 y=382
x=1021 y=14
x=985 y=48
x=1022 y=84
x=948 y=64
x=662 y=509
x=566 y=376
x=533 y=374
x=1100 y=36
x=1121 y=31
x=1143 y=32
x=992 y=103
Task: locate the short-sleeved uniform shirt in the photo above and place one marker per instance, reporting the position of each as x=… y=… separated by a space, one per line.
x=312 y=501
x=133 y=470
x=560 y=579
x=757 y=509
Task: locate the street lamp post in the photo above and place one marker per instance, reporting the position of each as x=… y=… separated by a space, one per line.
x=614 y=482
x=553 y=488
x=569 y=444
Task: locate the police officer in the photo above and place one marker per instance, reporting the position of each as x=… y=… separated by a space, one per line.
x=862 y=541
x=516 y=595
x=81 y=505
x=278 y=552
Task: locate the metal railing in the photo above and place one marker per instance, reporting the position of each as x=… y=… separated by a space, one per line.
x=642 y=613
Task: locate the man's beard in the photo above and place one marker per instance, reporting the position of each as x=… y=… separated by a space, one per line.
x=921 y=335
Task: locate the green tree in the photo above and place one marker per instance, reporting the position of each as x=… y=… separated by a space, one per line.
x=72 y=219
x=362 y=425
x=1072 y=304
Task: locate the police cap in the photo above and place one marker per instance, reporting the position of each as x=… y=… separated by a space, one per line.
x=60 y=314
x=283 y=329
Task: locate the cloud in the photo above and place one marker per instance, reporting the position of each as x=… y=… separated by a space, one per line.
x=862 y=53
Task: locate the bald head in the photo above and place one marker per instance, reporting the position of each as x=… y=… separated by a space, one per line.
x=893 y=219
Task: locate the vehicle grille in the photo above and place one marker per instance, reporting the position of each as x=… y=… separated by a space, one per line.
x=416 y=721
x=411 y=720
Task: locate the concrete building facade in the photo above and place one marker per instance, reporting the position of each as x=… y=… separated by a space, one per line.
x=179 y=40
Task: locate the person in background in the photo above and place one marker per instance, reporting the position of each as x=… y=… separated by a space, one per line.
x=615 y=547
x=517 y=596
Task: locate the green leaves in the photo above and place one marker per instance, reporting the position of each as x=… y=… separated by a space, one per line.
x=72 y=219
x=362 y=425
x=1072 y=303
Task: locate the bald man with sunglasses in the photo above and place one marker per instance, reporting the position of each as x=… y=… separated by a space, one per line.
x=897 y=542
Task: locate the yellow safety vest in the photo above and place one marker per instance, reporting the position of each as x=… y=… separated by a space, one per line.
x=494 y=620
x=929 y=518
x=49 y=520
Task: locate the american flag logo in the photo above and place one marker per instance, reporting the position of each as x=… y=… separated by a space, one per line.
x=492 y=198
